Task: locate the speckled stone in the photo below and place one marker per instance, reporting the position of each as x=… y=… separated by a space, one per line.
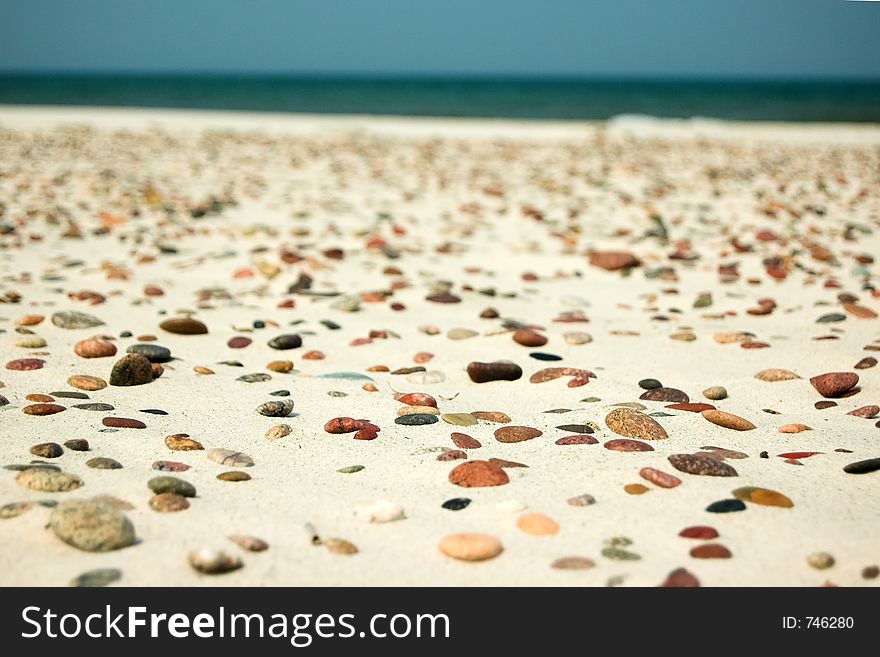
x=91 y=526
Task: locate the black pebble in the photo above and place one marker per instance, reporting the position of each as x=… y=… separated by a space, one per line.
x=416 y=419
x=154 y=411
x=726 y=506
x=456 y=503
x=539 y=355
x=333 y=326
x=863 y=467
x=575 y=428
x=280 y=393
x=764 y=455
x=650 y=384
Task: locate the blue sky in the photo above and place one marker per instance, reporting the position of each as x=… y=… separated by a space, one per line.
x=705 y=38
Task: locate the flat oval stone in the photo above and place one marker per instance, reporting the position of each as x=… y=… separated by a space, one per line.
x=184 y=326
x=282 y=366
x=496 y=371
x=726 y=506
x=123 y=423
x=710 y=551
x=516 y=434
x=94 y=348
x=48 y=481
x=659 y=478
x=255 y=377
x=776 y=374
x=47 y=450
x=103 y=463
x=701 y=532
x=131 y=370
x=456 y=503
x=84 y=382
x=459 y=419
x=278 y=431
x=470 y=547
x=672 y=395
x=91 y=526
x=632 y=424
x=478 y=474
x=867 y=412
x=77 y=444
x=249 y=543
x=230 y=457
x=613 y=260
x=537 y=524
x=68 y=394
x=152 y=352
x=863 y=467
x=25 y=364
x=43 y=409
x=168 y=503
x=691 y=407
x=96 y=578
x=542 y=356
x=94 y=406
x=727 y=420
x=681 y=578
x=529 y=338
x=794 y=428
x=461 y=334
x=464 y=441
x=572 y=563
x=234 y=475
x=170 y=466
x=72 y=319
x=834 y=384
x=417 y=410
x=276 y=408
x=580 y=439
x=865 y=363
x=213 y=562
x=492 y=416
x=581 y=500
x=762 y=496
x=416 y=419
x=627 y=445
x=650 y=384
x=168 y=484
x=715 y=393
x=701 y=465
x=238 y=342
x=287 y=341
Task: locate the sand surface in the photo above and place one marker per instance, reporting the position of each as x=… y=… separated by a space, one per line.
x=224 y=213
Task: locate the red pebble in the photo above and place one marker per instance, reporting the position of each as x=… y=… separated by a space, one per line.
x=123 y=423
x=25 y=364
x=313 y=355
x=343 y=425
x=422 y=357
x=464 y=441
x=797 y=455
x=452 y=455
x=659 y=478
x=577 y=440
x=627 y=445
x=680 y=578
x=694 y=407
x=711 y=551
x=238 y=342
x=417 y=399
x=367 y=433
x=699 y=531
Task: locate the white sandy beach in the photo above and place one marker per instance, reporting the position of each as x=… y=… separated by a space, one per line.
x=500 y=214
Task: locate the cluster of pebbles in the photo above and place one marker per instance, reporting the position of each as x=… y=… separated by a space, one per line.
x=377 y=358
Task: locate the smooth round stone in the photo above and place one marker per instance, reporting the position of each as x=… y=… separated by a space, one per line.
x=84 y=382
x=43 y=409
x=636 y=489
x=820 y=560
x=461 y=334
x=72 y=319
x=417 y=410
x=94 y=406
x=25 y=364
x=632 y=424
x=681 y=578
x=152 y=352
x=700 y=532
x=96 y=578
x=456 y=503
x=575 y=338
x=426 y=378
x=48 y=481
x=276 y=408
x=287 y=341
x=539 y=355
x=234 y=475
x=91 y=526
x=516 y=434
x=627 y=445
x=715 y=393
x=459 y=419
x=77 y=444
x=573 y=563
x=775 y=374
x=340 y=546
x=238 y=342
x=671 y=395
x=529 y=338
x=710 y=551
x=123 y=423
x=865 y=363
x=30 y=342
x=168 y=484
x=131 y=370
x=659 y=478
x=230 y=458
x=255 y=377
x=863 y=467
x=213 y=562
x=103 y=463
x=697 y=464
x=168 y=503
x=478 y=474
x=471 y=547
x=47 y=450
x=278 y=431
x=727 y=420
x=416 y=419
x=496 y=371
x=380 y=511
x=537 y=524
x=170 y=466
x=831 y=317
x=184 y=326
x=282 y=366
x=822 y=405
x=834 y=384
x=94 y=348
x=650 y=384
x=726 y=506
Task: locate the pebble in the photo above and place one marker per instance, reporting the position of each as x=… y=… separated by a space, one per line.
x=234 y=475
x=48 y=481
x=25 y=364
x=123 y=423
x=691 y=407
x=575 y=338
x=470 y=547
x=834 y=384
x=701 y=465
x=84 y=382
x=613 y=260
x=168 y=484
x=581 y=500
x=649 y=384
x=417 y=410
x=865 y=363
x=516 y=434
x=459 y=419
x=170 y=466
x=276 y=408
x=795 y=427
x=681 y=578
x=286 y=341
x=577 y=440
x=863 y=467
x=632 y=424
x=636 y=489
x=537 y=524
x=256 y=377
x=104 y=463
x=249 y=543
x=72 y=319
x=672 y=395
x=211 y=561
x=497 y=371
x=416 y=419
x=461 y=334
x=184 y=326
x=67 y=394
x=238 y=342
x=96 y=578
x=700 y=532
x=131 y=370
x=77 y=444
x=230 y=457
x=659 y=478
x=91 y=526
x=867 y=412
x=94 y=406
x=94 y=348
x=168 y=502
x=380 y=511
x=820 y=560
x=627 y=445
x=529 y=338
x=715 y=393
x=456 y=504
x=152 y=352
x=281 y=366
x=478 y=474
x=573 y=563
x=776 y=374
x=340 y=546
x=710 y=551
x=278 y=431
x=43 y=409
x=728 y=420
x=492 y=416
x=464 y=441
x=181 y=442
x=726 y=506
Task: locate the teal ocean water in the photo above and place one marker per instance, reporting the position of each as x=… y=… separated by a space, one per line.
x=468 y=97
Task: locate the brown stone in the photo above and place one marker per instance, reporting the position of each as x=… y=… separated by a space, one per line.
x=659 y=478
x=283 y=366
x=867 y=412
x=43 y=409
x=613 y=260
x=627 y=445
x=497 y=371
x=464 y=441
x=529 y=338
x=775 y=374
x=728 y=420
x=834 y=384
x=478 y=474
x=168 y=502
x=184 y=326
x=698 y=464
x=94 y=348
x=47 y=450
x=710 y=551
x=85 y=382
x=516 y=434
x=672 y=395
x=181 y=442
x=470 y=547
x=537 y=524
x=632 y=424
x=123 y=423
x=492 y=416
